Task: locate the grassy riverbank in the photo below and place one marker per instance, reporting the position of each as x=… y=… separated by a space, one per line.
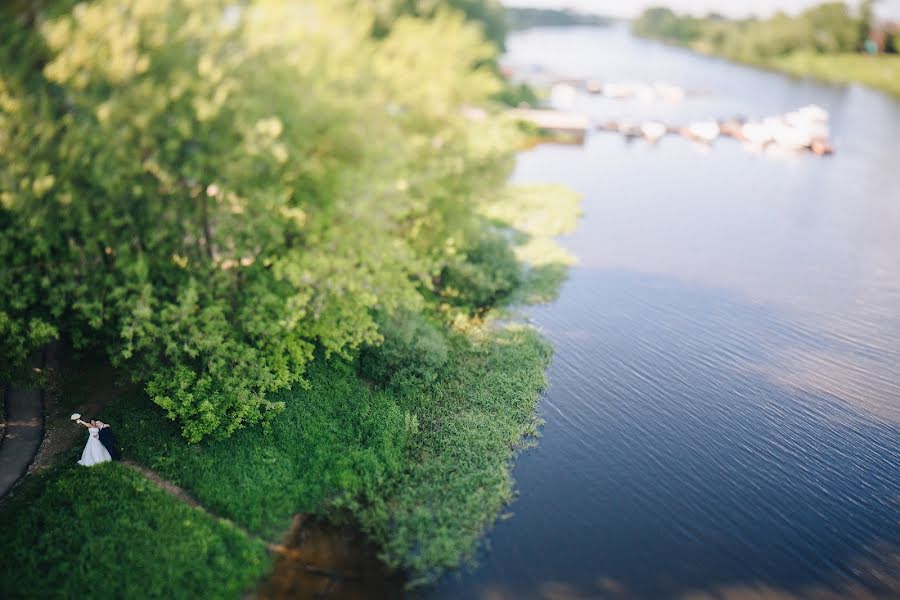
x=420 y=462
x=877 y=72
x=880 y=73
x=299 y=246
x=108 y=528
x=822 y=42
x=410 y=439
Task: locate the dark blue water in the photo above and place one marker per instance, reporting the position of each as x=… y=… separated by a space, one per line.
x=723 y=419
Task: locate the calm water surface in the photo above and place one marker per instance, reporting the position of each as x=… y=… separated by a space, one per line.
x=723 y=419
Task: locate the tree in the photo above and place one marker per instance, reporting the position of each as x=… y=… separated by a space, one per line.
x=489 y=15
x=210 y=192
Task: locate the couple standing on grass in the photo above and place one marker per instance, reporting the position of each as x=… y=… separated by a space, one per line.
x=101 y=445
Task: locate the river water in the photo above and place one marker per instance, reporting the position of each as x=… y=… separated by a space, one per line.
x=723 y=417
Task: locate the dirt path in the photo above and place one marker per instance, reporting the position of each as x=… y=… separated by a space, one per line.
x=24 y=416
x=73 y=386
x=185 y=497
x=315 y=561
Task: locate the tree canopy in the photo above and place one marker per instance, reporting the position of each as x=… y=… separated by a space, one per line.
x=213 y=192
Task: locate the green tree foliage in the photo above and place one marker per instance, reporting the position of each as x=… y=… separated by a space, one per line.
x=663 y=23
x=525 y=18
x=489 y=15
x=826 y=29
x=210 y=191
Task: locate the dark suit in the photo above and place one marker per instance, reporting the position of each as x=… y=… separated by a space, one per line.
x=109 y=441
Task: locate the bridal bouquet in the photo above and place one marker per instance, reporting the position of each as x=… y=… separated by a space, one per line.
x=75 y=416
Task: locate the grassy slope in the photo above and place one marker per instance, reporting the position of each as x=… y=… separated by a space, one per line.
x=108 y=528
x=421 y=460
x=879 y=72
x=339 y=435
x=458 y=477
x=424 y=467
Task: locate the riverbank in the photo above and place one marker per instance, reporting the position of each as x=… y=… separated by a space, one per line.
x=422 y=466
x=877 y=72
x=410 y=441
x=880 y=73
x=822 y=42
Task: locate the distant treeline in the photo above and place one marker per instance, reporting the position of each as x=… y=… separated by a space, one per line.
x=830 y=42
x=489 y=15
x=525 y=18
x=829 y=28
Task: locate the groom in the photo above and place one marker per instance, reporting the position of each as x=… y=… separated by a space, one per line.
x=108 y=440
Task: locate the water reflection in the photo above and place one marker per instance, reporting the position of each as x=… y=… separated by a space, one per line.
x=882 y=582
x=320 y=560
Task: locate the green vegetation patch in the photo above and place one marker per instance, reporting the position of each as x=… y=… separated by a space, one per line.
x=109 y=528
x=421 y=461
x=879 y=72
x=824 y=42
x=468 y=427
x=336 y=436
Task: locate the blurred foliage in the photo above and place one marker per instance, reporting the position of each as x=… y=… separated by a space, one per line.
x=489 y=274
x=517 y=94
x=827 y=28
x=108 y=528
x=880 y=72
x=537 y=215
x=489 y=15
x=414 y=351
x=418 y=455
x=211 y=191
x=275 y=207
x=825 y=42
x=520 y=17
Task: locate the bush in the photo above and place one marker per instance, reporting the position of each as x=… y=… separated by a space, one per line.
x=488 y=274
x=413 y=352
x=333 y=438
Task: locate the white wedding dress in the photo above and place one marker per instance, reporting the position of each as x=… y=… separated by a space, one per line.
x=94 y=451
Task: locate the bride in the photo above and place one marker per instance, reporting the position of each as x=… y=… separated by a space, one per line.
x=94 y=451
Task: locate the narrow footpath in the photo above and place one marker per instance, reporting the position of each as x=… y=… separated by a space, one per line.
x=22 y=436
x=312 y=562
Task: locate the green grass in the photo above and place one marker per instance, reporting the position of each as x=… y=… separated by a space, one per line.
x=108 y=530
x=412 y=441
x=458 y=479
x=421 y=464
x=338 y=437
x=881 y=72
x=878 y=72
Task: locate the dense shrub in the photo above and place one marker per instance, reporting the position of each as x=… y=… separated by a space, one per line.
x=413 y=351
x=488 y=274
x=208 y=191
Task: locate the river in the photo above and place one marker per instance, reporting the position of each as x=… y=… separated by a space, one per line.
x=723 y=417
